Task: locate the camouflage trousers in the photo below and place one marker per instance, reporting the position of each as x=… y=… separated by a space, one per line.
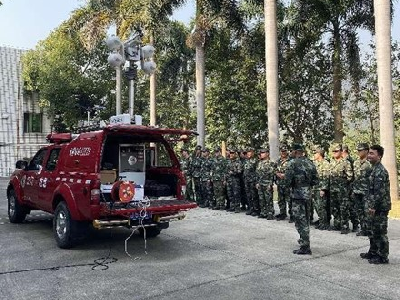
x=358 y=205
x=340 y=207
x=197 y=190
x=252 y=195
x=320 y=205
x=207 y=193
x=189 y=189
x=233 y=191
x=219 y=194
x=284 y=200
x=301 y=214
x=377 y=233
x=265 y=193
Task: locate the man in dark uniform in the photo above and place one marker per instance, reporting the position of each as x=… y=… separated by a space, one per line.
x=283 y=191
x=378 y=206
x=300 y=176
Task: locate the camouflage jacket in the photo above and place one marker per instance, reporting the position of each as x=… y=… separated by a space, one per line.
x=340 y=174
x=196 y=166
x=378 y=196
x=233 y=168
x=249 y=169
x=301 y=174
x=265 y=172
x=185 y=166
x=322 y=167
x=362 y=168
x=218 y=172
x=206 y=168
x=281 y=166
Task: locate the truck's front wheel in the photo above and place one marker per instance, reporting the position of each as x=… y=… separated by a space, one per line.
x=16 y=212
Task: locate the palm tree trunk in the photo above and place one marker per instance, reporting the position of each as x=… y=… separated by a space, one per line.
x=271 y=65
x=337 y=85
x=383 y=58
x=200 y=87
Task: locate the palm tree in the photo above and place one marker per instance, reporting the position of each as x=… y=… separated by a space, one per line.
x=383 y=57
x=209 y=14
x=271 y=66
x=339 y=21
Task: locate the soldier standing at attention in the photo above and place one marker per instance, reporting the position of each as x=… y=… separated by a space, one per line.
x=378 y=205
x=186 y=169
x=218 y=174
x=283 y=191
x=362 y=167
x=196 y=173
x=340 y=176
x=320 y=202
x=265 y=172
x=300 y=176
x=234 y=168
x=352 y=209
x=206 y=184
x=244 y=202
x=249 y=176
x=227 y=187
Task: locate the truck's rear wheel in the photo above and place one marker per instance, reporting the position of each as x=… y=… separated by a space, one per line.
x=16 y=212
x=67 y=231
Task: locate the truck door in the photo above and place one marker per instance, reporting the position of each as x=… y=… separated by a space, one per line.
x=48 y=180
x=34 y=169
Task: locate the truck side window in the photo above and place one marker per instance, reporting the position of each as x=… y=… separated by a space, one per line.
x=164 y=159
x=37 y=160
x=53 y=159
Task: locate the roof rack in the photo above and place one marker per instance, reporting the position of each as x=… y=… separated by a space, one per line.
x=59 y=138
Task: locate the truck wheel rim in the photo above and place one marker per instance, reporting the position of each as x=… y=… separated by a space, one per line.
x=61 y=224
x=11 y=208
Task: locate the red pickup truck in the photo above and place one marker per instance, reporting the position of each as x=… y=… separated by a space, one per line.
x=117 y=176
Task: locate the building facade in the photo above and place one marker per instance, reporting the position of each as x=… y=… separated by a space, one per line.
x=23 y=124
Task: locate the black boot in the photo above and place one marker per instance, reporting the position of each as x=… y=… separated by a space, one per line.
x=303 y=251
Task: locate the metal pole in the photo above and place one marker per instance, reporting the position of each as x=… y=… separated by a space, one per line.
x=118 y=90
x=131 y=98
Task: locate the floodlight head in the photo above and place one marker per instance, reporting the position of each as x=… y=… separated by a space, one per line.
x=149 y=67
x=147 y=51
x=115 y=59
x=113 y=43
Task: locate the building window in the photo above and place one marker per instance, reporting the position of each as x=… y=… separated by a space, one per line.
x=32 y=122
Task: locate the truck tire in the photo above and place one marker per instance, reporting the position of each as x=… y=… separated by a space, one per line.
x=16 y=212
x=67 y=232
x=151 y=232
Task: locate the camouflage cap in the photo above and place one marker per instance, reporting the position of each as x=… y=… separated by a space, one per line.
x=283 y=147
x=298 y=147
x=198 y=147
x=319 y=149
x=248 y=149
x=264 y=149
x=362 y=146
x=205 y=150
x=184 y=150
x=232 y=150
x=337 y=147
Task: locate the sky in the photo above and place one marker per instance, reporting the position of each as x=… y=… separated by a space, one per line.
x=24 y=23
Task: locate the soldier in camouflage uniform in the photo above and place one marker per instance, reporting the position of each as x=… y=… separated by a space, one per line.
x=352 y=210
x=233 y=168
x=283 y=191
x=378 y=205
x=205 y=177
x=340 y=176
x=227 y=187
x=320 y=202
x=218 y=174
x=361 y=168
x=244 y=203
x=300 y=176
x=265 y=177
x=249 y=176
x=196 y=174
x=186 y=169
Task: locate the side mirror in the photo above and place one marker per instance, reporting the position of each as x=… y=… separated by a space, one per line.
x=21 y=164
